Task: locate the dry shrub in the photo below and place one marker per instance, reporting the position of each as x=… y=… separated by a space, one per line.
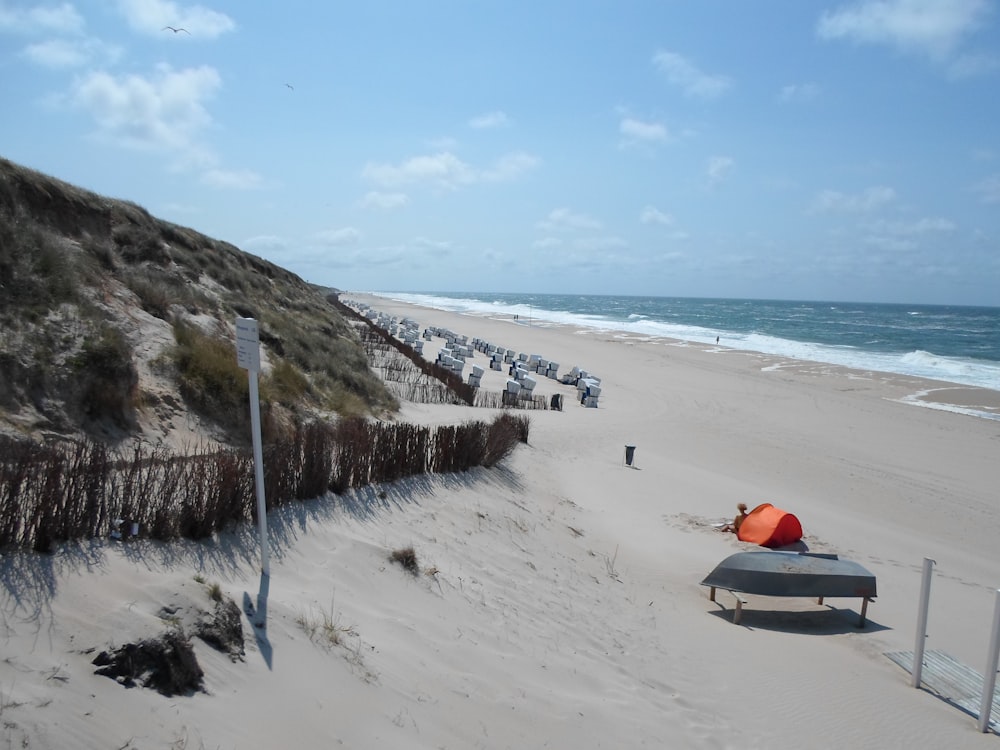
x=406 y=557
x=107 y=377
x=215 y=592
x=209 y=376
x=285 y=384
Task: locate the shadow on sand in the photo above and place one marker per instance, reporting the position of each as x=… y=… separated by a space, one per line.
x=257 y=615
x=30 y=580
x=825 y=619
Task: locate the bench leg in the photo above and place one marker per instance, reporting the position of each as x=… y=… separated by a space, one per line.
x=864 y=611
x=738 y=612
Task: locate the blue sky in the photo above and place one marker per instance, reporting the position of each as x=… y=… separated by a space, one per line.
x=784 y=149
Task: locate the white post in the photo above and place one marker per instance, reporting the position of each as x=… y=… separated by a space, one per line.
x=248 y=357
x=918 y=646
x=990 y=673
x=258 y=464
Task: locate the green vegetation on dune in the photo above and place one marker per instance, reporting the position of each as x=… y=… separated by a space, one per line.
x=75 y=270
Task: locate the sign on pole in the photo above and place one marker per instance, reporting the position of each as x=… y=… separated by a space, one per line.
x=248 y=344
x=248 y=357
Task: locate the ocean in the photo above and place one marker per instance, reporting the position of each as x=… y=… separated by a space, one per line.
x=955 y=344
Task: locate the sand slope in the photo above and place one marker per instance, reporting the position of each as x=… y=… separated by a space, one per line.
x=558 y=602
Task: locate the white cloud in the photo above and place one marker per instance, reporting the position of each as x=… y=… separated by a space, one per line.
x=443 y=143
x=599 y=244
x=989 y=189
x=934 y=27
x=563 y=219
x=509 y=167
x=71 y=53
x=375 y=199
x=339 y=237
x=61 y=19
x=163 y=111
x=445 y=170
x=57 y=53
x=904 y=236
x=424 y=242
x=637 y=130
x=180 y=208
x=718 y=169
x=152 y=16
x=971 y=64
x=652 y=215
x=489 y=120
x=498 y=260
x=166 y=112
x=232 y=179
x=64 y=44
x=407 y=257
x=890 y=243
x=265 y=243
x=922 y=226
x=798 y=92
x=912 y=228
x=683 y=73
x=546 y=243
x=869 y=199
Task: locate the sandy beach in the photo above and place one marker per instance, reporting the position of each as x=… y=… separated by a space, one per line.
x=558 y=602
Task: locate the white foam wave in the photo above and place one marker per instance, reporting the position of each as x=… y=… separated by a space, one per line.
x=915 y=399
x=917 y=363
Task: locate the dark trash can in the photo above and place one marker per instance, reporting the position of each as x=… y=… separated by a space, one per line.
x=629 y=454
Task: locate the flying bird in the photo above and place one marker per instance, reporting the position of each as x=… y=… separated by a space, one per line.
x=175 y=30
x=290 y=86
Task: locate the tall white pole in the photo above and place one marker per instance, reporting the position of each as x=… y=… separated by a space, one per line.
x=990 y=673
x=248 y=357
x=258 y=464
x=918 y=646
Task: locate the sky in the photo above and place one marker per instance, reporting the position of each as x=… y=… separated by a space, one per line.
x=779 y=149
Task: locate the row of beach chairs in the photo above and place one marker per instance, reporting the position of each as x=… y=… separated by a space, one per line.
x=522 y=368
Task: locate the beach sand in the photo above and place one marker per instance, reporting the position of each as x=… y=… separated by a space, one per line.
x=558 y=602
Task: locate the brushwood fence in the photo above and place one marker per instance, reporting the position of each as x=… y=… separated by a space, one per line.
x=455 y=389
x=53 y=494
x=403 y=378
x=505 y=400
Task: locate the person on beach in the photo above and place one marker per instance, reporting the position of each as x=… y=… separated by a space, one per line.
x=738 y=520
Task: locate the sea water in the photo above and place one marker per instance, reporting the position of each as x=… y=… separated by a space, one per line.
x=955 y=344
